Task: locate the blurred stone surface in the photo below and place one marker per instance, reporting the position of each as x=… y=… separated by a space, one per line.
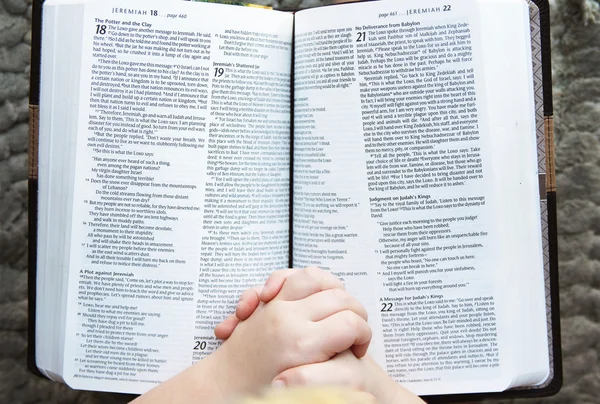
x=576 y=72
x=16 y=6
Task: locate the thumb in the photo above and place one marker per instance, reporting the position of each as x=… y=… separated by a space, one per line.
x=249 y=301
x=225 y=328
x=274 y=284
x=338 y=371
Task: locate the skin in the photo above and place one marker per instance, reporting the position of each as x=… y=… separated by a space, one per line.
x=351 y=368
x=309 y=319
x=345 y=369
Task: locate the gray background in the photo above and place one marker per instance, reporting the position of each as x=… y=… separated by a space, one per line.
x=576 y=73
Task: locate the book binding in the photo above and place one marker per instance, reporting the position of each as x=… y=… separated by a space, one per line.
x=550 y=170
x=547 y=191
x=34 y=112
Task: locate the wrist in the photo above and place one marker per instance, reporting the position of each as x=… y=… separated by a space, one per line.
x=206 y=374
x=224 y=373
x=195 y=384
x=380 y=384
x=230 y=373
x=385 y=389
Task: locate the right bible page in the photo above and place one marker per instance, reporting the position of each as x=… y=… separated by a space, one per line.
x=415 y=181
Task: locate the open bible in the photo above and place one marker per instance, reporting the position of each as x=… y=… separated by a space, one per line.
x=182 y=151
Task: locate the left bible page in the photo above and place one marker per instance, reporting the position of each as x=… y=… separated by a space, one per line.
x=181 y=182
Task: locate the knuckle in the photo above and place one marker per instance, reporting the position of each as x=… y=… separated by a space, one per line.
x=296 y=354
x=284 y=273
x=302 y=377
x=296 y=377
x=349 y=302
x=274 y=276
x=324 y=277
x=334 y=280
x=358 y=325
x=368 y=330
x=303 y=344
x=294 y=276
x=350 y=320
x=316 y=273
x=358 y=308
x=313 y=269
x=340 y=295
x=307 y=345
x=280 y=273
x=277 y=320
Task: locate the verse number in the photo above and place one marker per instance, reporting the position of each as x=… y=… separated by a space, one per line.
x=200 y=346
x=219 y=71
x=386 y=306
x=362 y=36
x=100 y=29
x=447 y=7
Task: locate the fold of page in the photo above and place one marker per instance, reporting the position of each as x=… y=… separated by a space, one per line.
x=415 y=181
x=181 y=196
x=508 y=81
x=42 y=353
x=58 y=99
x=42 y=345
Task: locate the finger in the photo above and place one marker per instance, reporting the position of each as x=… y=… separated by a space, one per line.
x=274 y=283
x=341 y=331
x=249 y=301
x=327 y=302
x=225 y=328
x=360 y=350
x=308 y=281
x=338 y=371
x=324 y=277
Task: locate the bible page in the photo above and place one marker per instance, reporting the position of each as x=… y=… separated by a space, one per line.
x=411 y=187
x=181 y=185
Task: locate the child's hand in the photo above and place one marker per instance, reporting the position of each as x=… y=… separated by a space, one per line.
x=346 y=370
x=302 y=324
x=251 y=298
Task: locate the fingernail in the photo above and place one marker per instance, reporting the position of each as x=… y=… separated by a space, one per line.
x=278 y=384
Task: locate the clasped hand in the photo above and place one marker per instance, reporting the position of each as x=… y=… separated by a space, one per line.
x=300 y=329
x=299 y=317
